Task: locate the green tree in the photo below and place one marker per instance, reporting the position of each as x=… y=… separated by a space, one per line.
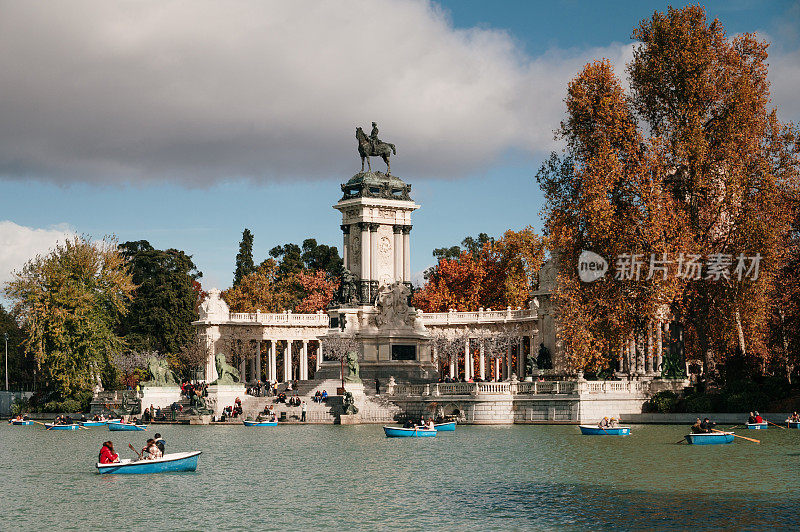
x=165 y=302
x=70 y=303
x=244 y=259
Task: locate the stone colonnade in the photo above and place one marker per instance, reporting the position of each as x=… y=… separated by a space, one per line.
x=642 y=353
x=478 y=363
x=258 y=359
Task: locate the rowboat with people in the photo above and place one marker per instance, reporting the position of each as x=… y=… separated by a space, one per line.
x=793 y=424
x=594 y=430
x=757 y=426
x=173 y=462
x=125 y=426
x=92 y=423
x=59 y=426
x=710 y=438
x=249 y=423
x=400 y=432
x=21 y=422
x=448 y=426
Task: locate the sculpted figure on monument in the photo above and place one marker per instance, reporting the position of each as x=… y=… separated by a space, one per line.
x=347 y=287
x=159 y=369
x=372 y=146
x=226 y=374
x=392 y=304
x=214 y=307
x=352 y=367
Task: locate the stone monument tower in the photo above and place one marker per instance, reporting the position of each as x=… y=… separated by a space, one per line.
x=373 y=306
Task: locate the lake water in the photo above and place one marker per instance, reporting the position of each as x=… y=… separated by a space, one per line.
x=352 y=477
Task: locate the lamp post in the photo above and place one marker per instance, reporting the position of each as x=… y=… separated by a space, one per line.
x=5 y=337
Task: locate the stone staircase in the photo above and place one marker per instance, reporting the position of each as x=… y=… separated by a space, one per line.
x=372 y=408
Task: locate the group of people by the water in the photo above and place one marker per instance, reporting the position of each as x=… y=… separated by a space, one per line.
x=263 y=389
x=19 y=417
x=703 y=427
x=63 y=419
x=422 y=424
x=193 y=391
x=755 y=418
x=608 y=423
x=794 y=418
x=321 y=397
x=153 y=448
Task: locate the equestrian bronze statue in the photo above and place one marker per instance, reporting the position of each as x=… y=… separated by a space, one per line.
x=372 y=146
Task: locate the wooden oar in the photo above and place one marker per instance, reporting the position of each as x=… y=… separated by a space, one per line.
x=737 y=436
x=134 y=450
x=771 y=423
x=39 y=422
x=682 y=440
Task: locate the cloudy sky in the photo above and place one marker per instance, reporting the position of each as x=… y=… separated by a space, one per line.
x=183 y=122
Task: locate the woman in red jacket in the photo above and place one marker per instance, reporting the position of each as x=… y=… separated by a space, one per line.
x=107 y=454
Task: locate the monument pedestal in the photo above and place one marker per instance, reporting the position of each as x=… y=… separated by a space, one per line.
x=160 y=396
x=349 y=419
x=222 y=395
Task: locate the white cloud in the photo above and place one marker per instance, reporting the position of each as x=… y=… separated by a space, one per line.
x=18 y=244
x=201 y=91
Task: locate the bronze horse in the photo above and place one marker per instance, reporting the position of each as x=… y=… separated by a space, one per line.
x=383 y=150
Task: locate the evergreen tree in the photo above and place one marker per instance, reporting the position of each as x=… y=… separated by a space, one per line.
x=244 y=259
x=165 y=303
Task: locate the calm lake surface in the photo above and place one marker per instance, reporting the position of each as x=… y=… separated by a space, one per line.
x=352 y=477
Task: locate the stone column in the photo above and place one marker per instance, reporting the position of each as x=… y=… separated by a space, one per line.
x=467 y=360
x=481 y=362
x=398 y=252
x=621 y=361
x=273 y=361
x=346 y=246
x=373 y=247
x=520 y=359
x=255 y=364
x=497 y=376
x=659 y=348
x=648 y=362
x=287 y=362
x=452 y=366
x=508 y=362
x=319 y=355
x=304 y=361
x=242 y=361
x=365 y=247
x=406 y=253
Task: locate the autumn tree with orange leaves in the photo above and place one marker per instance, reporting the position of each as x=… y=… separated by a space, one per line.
x=691 y=161
x=495 y=274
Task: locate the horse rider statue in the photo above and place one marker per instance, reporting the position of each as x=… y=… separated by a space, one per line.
x=372 y=146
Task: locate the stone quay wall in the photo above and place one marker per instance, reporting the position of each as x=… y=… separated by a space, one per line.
x=498 y=403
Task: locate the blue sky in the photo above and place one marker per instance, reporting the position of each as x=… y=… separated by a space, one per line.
x=196 y=189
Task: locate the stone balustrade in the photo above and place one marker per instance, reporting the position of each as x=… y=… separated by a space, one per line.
x=580 y=387
x=481 y=316
x=318 y=319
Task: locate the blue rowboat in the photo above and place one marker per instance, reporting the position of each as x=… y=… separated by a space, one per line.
x=248 y=423
x=92 y=423
x=168 y=463
x=399 y=432
x=125 y=426
x=20 y=422
x=757 y=426
x=594 y=430
x=710 y=438
x=793 y=424
x=53 y=426
x=450 y=426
